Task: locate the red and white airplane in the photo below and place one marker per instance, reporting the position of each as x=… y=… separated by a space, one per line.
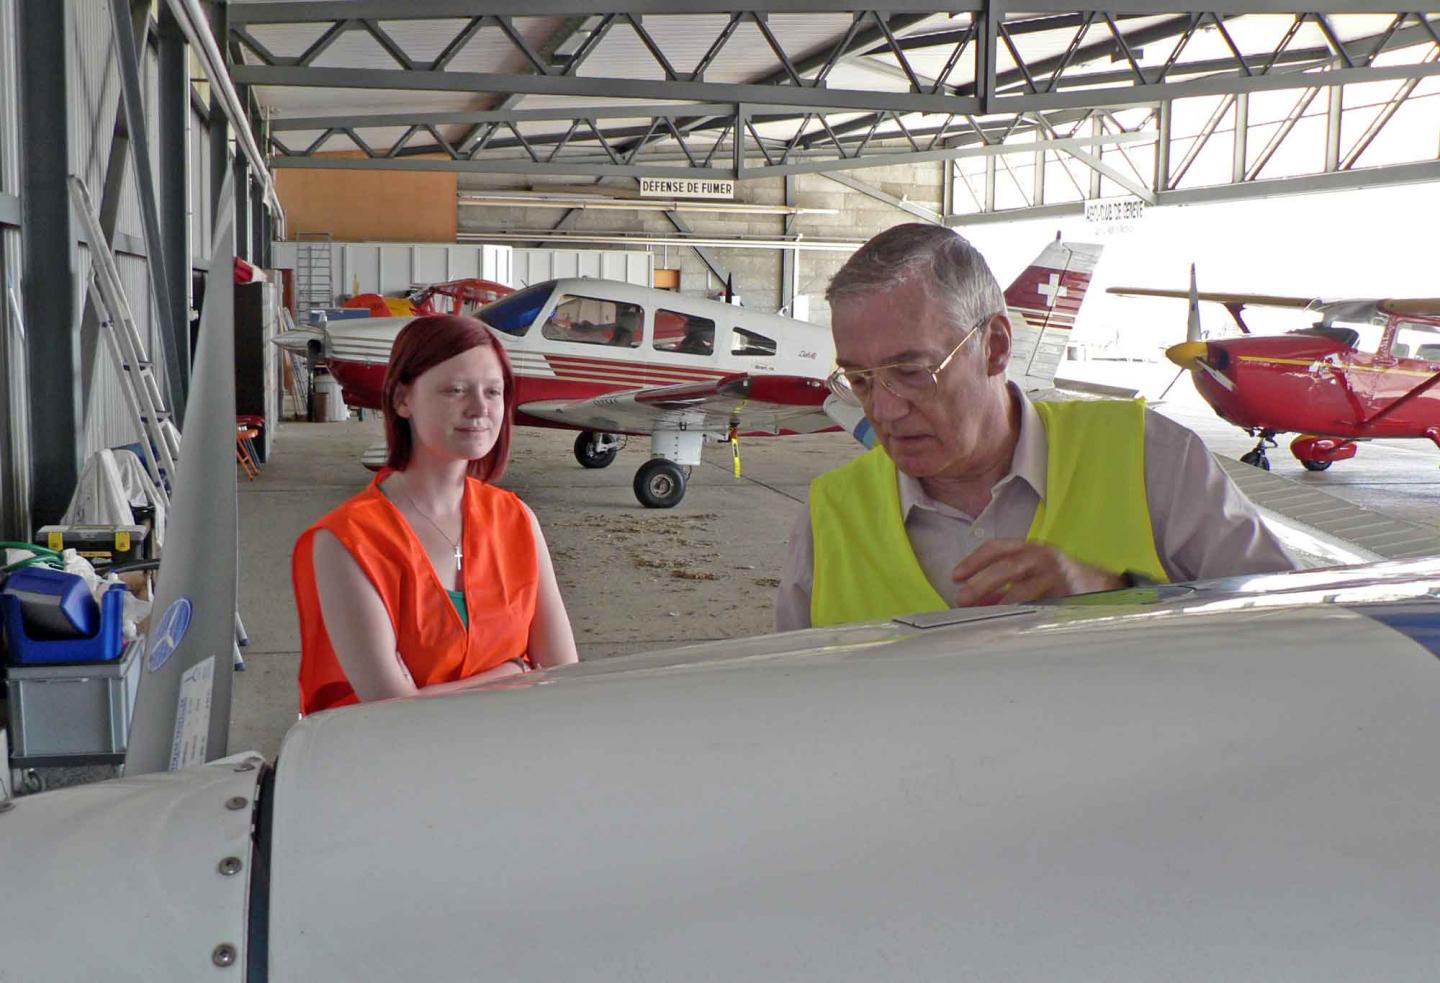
x=613 y=359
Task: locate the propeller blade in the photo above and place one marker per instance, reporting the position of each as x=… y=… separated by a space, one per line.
x=1167 y=389
x=1192 y=329
x=1215 y=374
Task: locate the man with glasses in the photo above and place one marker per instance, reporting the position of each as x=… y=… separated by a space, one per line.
x=974 y=494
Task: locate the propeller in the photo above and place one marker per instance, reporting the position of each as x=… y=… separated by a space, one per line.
x=1191 y=355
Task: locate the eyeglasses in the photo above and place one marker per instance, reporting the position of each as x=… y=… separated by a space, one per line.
x=913 y=382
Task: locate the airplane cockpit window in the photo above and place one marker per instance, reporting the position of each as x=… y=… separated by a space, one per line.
x=684 y=334
x=744 y=342
x=514 y=314
x=1416 y=340
x=595 y=321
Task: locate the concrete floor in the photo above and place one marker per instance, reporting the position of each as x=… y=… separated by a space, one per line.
x=637 y=579
x=633 y=579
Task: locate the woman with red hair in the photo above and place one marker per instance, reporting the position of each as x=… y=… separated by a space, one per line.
x=432 y=579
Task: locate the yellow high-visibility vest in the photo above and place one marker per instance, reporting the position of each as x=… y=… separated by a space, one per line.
x=1095 y=511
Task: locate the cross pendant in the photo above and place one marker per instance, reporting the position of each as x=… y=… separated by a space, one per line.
x=458 y=556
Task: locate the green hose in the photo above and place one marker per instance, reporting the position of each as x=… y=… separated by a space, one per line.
x=43 y=555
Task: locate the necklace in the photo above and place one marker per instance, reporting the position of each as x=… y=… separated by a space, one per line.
x=454 y=546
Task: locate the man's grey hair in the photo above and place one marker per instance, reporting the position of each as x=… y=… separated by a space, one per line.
x=953 y=270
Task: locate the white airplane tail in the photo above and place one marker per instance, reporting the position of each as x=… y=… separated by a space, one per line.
x=1043 y=303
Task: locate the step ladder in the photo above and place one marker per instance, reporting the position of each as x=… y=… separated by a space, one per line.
x=314 y=280
x=159 y=437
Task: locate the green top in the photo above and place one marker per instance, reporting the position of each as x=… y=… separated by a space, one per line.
x=458 y=597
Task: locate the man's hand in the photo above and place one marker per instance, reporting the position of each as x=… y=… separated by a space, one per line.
x=1013 y=571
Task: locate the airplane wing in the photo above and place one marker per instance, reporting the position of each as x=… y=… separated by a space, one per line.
x=763 y=405
x=1256 y=300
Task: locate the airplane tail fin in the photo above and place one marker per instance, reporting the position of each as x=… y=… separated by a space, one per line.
x=1043 y=303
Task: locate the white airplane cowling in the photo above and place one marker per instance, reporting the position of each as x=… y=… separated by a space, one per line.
x=1181 y=784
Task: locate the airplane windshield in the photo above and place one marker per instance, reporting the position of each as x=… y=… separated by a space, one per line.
x=514 y=314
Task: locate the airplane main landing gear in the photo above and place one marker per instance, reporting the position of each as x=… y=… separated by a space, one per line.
x=597 y=450
x=1257 y=458
x=659 y=484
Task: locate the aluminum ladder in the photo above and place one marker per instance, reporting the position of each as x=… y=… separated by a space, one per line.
x=159 y=437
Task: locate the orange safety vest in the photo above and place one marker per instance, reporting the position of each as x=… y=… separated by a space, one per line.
x=501 y=571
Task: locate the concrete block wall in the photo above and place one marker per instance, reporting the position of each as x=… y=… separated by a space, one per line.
x=757 y=272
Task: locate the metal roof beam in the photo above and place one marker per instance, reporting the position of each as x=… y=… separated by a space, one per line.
x=613 y=88
x=634 y=111
x=305 y=11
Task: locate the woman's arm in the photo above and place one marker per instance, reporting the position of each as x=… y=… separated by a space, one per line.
x=552 y=642
x=361 y=632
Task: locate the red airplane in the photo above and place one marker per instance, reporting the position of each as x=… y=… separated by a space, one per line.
x=465 y=296
x=1366 y=369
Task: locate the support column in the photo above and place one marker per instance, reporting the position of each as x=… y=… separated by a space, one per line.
x=48 y=251
x=174 y=114
x=789 y=268
x=242 y=212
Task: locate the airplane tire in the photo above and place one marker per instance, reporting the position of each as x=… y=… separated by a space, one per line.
x=659 y=484
x=1256 y=459
x=1316 y=465
x=588 y=456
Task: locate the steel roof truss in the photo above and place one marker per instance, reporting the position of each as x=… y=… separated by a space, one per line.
x=1202 y=138
x=457 y=44
x=680 y=141
x=400 y=144
x=895 y=49
x=385 y=41
x=266 y=56
x=442 y=142
x=1119 y=37
x=1386 y=114
x=1333 y=39
x=588 y=46
x=364 y=147
x=318 y=46
x=518 y=41
x=758 y=142
x=761 y=21
x=841 y=49
x=719 y=43
x=1229 y=42
x=654 y=49
x=574 y=124
x=720 y=140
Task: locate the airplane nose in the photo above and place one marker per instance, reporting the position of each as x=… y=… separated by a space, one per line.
x=1187 y=353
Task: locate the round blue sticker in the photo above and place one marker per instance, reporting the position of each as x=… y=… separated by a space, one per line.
x=166 y=639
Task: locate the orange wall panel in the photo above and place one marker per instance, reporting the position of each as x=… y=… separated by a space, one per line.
x=369 y=206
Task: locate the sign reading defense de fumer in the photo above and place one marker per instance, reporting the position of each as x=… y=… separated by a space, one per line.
x=685 y=187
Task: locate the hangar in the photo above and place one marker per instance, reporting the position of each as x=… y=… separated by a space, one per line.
x=184 y=181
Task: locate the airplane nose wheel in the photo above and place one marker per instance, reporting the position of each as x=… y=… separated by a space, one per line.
x=659 y=484
x=1257 y=458
x=597 y=450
